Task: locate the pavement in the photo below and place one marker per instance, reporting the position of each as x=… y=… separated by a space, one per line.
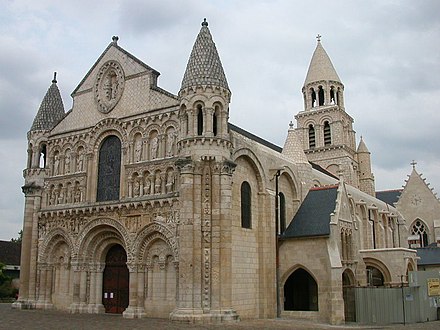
x=53 y=319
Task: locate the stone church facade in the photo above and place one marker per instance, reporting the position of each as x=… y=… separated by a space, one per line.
x=150 y=204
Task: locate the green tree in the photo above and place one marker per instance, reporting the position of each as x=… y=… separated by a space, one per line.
x=6 y=289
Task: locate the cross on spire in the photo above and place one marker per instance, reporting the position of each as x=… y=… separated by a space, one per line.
x=318 y=37
x=413 y=163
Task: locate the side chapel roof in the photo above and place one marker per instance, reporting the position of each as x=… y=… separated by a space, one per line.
x=313 y=216
x=51 y=110
x=321 y=67
x=204 y=66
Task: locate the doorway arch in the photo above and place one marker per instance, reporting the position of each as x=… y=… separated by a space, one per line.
x=348 y=284
x=115 y=287
x=300 y=292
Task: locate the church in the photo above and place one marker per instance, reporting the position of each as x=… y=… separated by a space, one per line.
x=146 y=203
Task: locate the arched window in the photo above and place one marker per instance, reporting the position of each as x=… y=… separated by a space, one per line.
x=374 y=276
x=43 y=156
x=282 y=200
x=321 y=95
x=109 y=169
x=300 y=292
x=214 y=121
x=419 y=228
x=327 y=134
x=332 y=96
x=199 y=120
x=312 y=143
x=313 y=94
x=246 y=204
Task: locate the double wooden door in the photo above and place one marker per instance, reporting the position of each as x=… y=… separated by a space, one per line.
x=116 y=281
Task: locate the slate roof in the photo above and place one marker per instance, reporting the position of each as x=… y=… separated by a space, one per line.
x=323 y=170
x=321 y=67
x=204 y=66
x=313 y=216
x=254 y=137
x=389 y=196
x=10 y=253
x=429 y=255
x=51 y=110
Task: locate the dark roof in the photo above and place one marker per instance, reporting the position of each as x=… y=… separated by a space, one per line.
x=389 y=196
x=254 y=137
x=429 y=255
x=313 y=217
x=10 y=253
x=323 y=170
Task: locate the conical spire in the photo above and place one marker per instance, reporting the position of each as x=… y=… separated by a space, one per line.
x=292 y=147
x=204 y=66
x=321 y=67
x=51 y=110
x=362 y=147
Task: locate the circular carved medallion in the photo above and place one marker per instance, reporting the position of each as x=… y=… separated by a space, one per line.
x=109 y=86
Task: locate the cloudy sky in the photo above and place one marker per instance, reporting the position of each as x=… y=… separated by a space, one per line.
x=387 y=54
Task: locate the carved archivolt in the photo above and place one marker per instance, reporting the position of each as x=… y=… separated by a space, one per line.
x=53 y=239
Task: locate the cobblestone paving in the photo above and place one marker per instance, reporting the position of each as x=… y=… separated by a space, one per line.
x=38 y=319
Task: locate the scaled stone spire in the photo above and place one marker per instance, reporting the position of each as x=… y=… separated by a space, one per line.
x=204 y=66
x=51 y=110
x=321 y=67
x=292 y=147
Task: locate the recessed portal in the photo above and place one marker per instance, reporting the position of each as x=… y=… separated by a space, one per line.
x=116 y=280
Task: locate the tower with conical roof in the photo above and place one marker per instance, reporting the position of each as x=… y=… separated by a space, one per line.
x=324 y=127
x=51 y=111
x=206 y=172
x=204 y=106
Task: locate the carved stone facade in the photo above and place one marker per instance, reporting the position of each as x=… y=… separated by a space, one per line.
x=136 y=180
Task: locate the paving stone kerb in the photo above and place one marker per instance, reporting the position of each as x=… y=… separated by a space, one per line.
x=39 y=319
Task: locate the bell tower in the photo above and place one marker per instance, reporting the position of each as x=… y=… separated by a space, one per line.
x=324 y=128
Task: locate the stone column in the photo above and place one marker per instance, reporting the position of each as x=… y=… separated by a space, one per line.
x=48 y=290
x=42 y=289
x=140 y=291
x=74 y=307
x=208 y=121
x=131 y=311
x=99 y=307
x=83 y=290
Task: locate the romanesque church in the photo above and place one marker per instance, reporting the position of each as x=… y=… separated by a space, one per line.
x=147 y=203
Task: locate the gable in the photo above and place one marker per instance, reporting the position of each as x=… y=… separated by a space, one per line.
x=118 y=85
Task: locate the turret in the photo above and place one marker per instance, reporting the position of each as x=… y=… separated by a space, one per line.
x=366 y=177
x=51 y=111
x=204 y=106
x=49 y=114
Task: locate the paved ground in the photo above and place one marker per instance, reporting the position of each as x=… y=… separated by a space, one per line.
x=38 y=319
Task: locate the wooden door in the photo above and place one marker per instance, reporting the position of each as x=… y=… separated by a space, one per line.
x=116 y=281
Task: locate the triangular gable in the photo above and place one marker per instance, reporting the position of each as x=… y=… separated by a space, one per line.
x=114 y=45
x=342 y=210
x=135 y=87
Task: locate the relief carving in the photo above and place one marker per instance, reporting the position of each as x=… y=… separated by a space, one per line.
x=109 y=86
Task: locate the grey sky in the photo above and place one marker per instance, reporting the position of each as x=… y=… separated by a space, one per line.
x=386 y=53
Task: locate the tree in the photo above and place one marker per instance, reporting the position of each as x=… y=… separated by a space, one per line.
x=6 y=289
